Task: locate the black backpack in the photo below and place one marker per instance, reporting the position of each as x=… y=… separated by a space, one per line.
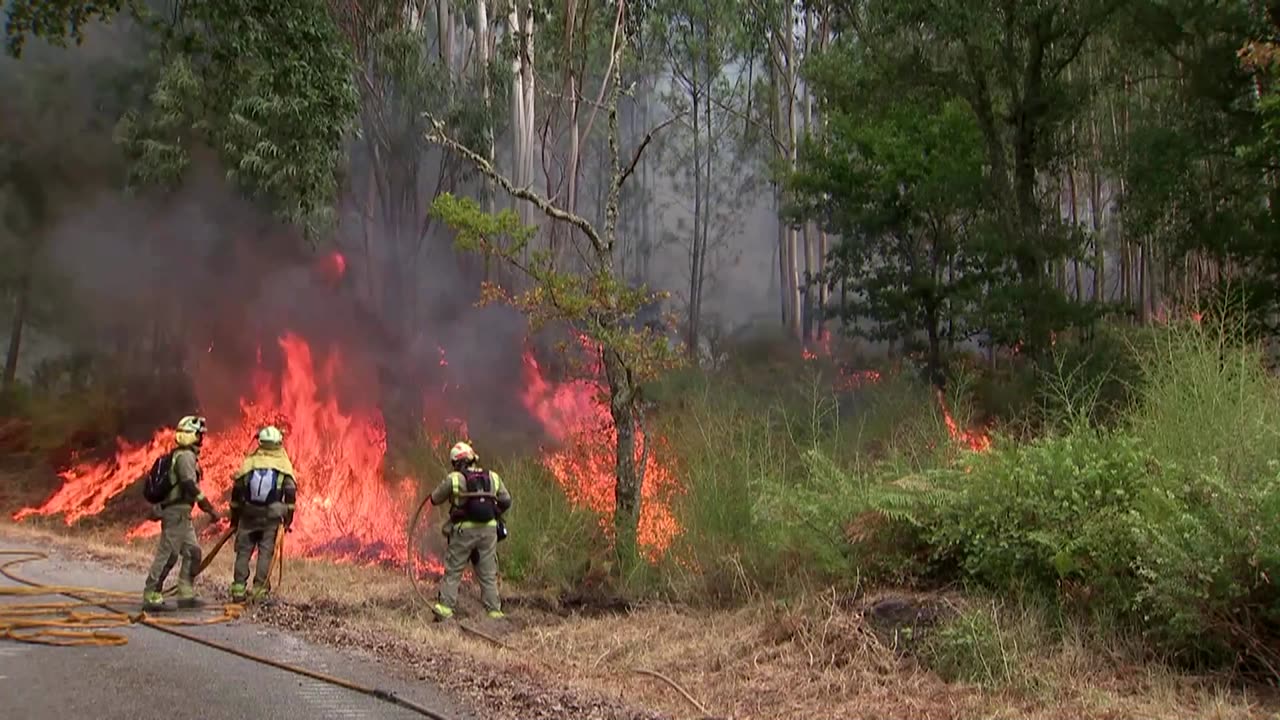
x=478 y=509
x=159 y=481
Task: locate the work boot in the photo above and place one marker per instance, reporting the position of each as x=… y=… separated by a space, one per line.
x=190 y=603
x=496 y=615
x=152 y=602
x=262 y=596
x=237 y=593
x=443 y=612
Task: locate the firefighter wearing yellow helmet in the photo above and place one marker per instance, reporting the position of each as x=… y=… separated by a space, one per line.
x=477 y=499
x=181 y=468
x=263 y=496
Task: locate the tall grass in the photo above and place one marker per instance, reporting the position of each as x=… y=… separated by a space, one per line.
x=766 y=507
x=1207 y=400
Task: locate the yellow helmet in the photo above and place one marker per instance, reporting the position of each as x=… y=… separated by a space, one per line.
x=461 y=451
x=270 y=435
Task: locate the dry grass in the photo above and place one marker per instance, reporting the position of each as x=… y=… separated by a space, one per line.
x=817 y=659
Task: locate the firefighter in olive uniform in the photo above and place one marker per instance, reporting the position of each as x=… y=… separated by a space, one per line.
x=263 y=495
x=477 y=499
x=177 y=534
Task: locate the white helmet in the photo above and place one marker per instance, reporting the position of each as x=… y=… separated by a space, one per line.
x=461 y=451
x=194 y=424
x=270 y=435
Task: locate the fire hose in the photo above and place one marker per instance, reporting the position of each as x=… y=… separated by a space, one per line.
x=35 y=623
x=413 y=579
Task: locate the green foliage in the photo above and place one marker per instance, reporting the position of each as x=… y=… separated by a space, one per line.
x=901 y=183
x=1208 y=402
x=57 y=21
x=1094 y=379
x=1031 y=515
x=987 y=645
x=765 y=507
x=1164 y=523
x=1002 y=61
x=597 y=301
x=265 y=84
x=552 y=543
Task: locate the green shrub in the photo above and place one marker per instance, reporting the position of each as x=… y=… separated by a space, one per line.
x=734 y=453
x=1207 y=551
x=1164 y=523
x=552 y=543
x=1093 y=379
x=986 y=645
x=1028 y=516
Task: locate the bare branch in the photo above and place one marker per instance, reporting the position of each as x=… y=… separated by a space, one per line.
x=608 y=74
x=635 y=159
x=437 y=135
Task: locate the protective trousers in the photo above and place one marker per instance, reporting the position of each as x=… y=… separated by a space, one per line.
x=255 y=535
x=462 y=542
x=177 y=541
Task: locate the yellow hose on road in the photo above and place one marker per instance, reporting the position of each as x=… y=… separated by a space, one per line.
x=70 y=624
x=67 y=624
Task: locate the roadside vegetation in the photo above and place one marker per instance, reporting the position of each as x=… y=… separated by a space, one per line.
x=1107 y=556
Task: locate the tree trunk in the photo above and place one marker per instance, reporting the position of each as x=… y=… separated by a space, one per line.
x=15 y=333
x=482 y=47
x=699 y=210
x=932 y=330
x=627 y=490
x=622 y=392
x=517 y=109
x=793 y=249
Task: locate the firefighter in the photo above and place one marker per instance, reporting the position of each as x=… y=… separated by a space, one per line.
x=177 y=534
x=477 y=500
x=263 y=496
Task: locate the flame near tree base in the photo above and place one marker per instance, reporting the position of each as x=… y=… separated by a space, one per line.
x=576 y=415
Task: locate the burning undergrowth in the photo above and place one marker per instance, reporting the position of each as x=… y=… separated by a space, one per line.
x=345 y=510
x=351 y=506
x=575 y=414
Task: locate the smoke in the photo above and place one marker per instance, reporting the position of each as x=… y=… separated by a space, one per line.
x=206 y=266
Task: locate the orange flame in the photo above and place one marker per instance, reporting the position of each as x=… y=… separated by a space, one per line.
x=850 y=379
x=823 y=350
x=345 y=509
x=576 y=415
x=976 y=440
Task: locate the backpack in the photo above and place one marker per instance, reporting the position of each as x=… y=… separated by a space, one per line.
x=262 y=487
x=477 y=509
x=159 y=480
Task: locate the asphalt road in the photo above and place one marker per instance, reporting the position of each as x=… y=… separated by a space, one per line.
x=168 y=678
